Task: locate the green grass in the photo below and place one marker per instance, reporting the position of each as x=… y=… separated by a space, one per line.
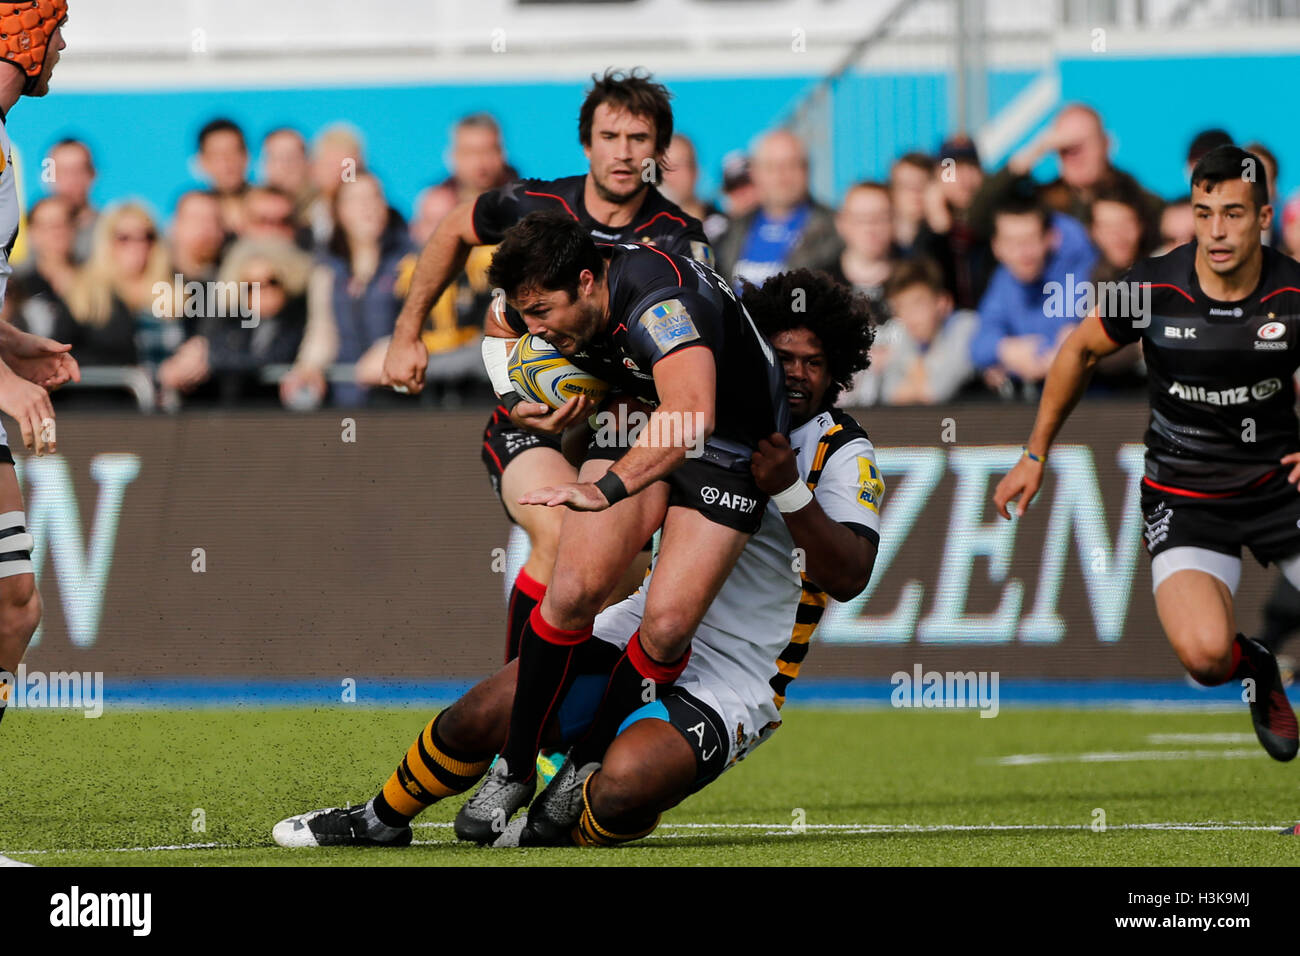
x=86 y=788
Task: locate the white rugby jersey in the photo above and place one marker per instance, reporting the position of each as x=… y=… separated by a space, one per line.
x=755 y=634
x=9 y=212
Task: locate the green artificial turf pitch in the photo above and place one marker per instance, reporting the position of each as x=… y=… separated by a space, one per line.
x=856 y=787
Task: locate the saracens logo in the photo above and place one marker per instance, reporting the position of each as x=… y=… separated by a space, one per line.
x=1269 y=333
x=1238 y=395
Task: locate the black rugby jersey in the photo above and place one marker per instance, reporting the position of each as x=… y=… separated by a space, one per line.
x=658 y=222
x=1220 y=374
x=661 y=303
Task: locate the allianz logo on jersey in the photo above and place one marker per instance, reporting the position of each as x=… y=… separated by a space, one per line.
x=1237 y=395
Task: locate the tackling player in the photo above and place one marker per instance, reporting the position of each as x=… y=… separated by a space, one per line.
x=748 y=647
x=625 y=126
x=1219 y=323
x=31 y=37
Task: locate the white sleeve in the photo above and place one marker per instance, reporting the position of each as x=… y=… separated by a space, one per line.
x=850 y=489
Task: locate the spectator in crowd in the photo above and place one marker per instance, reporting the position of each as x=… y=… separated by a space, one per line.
x=113 y=300
x=1202 y=143
x=1027 y=311
x=681 y=173
x=73 y=169
x=477 y=160
x=946 y=235
x=268 y=214
x=285 y=167
x=227 y=353
x=1269 y=161
x=223 y=157
x=48 y=272
x=353 y=299
x=1291 y=227
x=739 y=196
x=197 y=235
x=431 y=207
x=1115 y=227
x=337 y=157
x=865 y=223
x=1082 y=149
x=921 y=355
x=788 y=230
x=1177 y=224
x=909 y=178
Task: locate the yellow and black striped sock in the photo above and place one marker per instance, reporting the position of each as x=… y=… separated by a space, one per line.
x=589 y=832
x=429 y=772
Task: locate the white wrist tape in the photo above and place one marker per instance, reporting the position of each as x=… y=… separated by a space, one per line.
x=496 y=358
x=793 y=498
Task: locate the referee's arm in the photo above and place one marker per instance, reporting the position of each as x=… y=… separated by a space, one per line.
x=1066 y=380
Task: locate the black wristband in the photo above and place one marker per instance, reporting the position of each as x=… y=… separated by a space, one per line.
x=612 y=487
x=510 y=400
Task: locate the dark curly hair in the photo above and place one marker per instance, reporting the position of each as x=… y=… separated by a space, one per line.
x=544 y=251
x=843 y=321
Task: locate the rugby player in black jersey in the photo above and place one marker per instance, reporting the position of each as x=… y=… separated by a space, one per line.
x=625 y=126
x=668 y=331
x=747 y=649
x=1219 y=322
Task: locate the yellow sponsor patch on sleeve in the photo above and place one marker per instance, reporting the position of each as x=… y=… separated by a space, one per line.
x=870 y=486
x=669 y=324
x=702 y=252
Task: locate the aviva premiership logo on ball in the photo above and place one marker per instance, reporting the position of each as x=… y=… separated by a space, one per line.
x=541 y=374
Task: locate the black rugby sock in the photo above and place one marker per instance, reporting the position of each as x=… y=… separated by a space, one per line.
x=524 y=596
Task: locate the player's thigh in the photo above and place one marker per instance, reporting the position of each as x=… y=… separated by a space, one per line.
x=1194 y=602
x=528 y=471
x=17 y=582
x=596 y=548
x=695 y=557
x=649 y=768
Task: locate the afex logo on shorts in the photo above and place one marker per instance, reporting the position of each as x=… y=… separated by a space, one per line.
x=725 y=499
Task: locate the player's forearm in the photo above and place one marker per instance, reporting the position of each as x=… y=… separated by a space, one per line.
x=442 y=259
x=662 y=446
x=1062 y=389
x=835 y=558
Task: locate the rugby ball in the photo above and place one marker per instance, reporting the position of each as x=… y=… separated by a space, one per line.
x=541 y=374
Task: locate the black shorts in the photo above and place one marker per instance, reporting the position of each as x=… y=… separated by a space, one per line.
x=1264 y=518
x=725 y=495
x=503 y=442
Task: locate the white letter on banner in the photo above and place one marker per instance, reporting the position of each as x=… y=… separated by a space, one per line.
x=922 y=470
x=968 y=538
x=53 y=519
x=1076 y=506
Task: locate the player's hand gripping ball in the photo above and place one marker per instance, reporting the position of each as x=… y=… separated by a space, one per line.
x=541 y=374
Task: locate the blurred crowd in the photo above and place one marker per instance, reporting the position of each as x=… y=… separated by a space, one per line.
x=283 y=287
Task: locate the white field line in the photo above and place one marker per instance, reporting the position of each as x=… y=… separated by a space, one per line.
x=1126 y=756
x=1200 y=738
x=680 y=830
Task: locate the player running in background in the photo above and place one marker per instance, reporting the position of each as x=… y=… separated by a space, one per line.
x=668 y=331
x=31 y=37
x=1220 y=333
x=625 y=126
x=749 y=646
